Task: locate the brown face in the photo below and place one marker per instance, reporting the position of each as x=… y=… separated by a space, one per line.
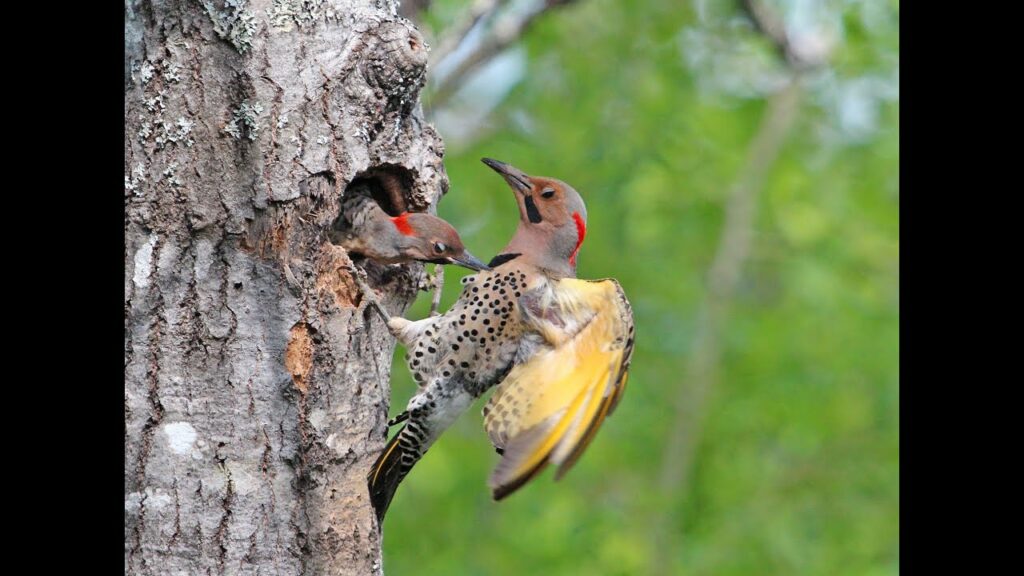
x=552 y=209
x=541 y=199
x=436 y=241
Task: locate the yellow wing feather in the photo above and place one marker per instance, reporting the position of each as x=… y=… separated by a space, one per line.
x=549 y=408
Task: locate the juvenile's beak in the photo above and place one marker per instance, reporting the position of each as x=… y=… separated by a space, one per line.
x=469 y=261
x=516 y=178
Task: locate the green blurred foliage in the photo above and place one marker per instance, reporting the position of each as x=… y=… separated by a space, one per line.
x=797 y=466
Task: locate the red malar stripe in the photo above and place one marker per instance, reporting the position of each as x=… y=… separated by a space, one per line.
x=402 y=223
x=581 y=232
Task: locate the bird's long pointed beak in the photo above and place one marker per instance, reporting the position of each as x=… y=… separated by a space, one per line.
x=516 y=178
x=469 y=261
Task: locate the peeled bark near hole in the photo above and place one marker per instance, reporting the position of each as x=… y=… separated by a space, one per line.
x=256 y=381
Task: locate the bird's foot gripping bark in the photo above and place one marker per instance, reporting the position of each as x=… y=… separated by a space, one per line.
x=359 y=276
x=434 y=282
x=437 y=281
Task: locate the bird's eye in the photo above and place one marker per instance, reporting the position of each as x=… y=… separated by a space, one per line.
x=439 y=247
x=548 y=192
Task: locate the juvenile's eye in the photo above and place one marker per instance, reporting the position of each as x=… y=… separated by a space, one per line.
x=548 y=192
x=439 y=247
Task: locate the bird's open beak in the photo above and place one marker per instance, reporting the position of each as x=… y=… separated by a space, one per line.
x=469 y=261
x=515 y=177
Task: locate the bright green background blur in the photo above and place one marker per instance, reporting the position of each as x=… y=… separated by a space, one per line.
x=648 y=108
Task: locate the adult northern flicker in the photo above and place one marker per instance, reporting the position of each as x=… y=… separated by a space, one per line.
x=559 y=347
x=368 y=230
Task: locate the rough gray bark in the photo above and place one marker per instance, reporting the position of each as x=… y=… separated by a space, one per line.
x=256 y=382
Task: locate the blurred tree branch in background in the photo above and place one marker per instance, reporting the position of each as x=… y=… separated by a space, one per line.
x=453 y=37
x=799 y=59
x=727 y=266
x=506 y=29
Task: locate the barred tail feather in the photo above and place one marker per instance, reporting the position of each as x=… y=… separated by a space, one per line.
x=388 y=472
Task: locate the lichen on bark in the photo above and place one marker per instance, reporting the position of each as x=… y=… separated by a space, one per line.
x=256 y=382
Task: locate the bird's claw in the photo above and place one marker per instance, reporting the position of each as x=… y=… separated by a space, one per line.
x=438 y=281
x=360 y=279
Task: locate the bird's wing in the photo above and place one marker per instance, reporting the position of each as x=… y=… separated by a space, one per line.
x=549 y=407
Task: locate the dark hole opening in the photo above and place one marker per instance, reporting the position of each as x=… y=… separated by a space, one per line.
x=387 y=184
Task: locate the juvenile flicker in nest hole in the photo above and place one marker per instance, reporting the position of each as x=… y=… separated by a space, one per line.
x=366 y=229
x=558 y=349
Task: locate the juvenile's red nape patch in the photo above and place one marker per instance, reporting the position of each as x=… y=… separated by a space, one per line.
x=581 y=232
x=402 y=223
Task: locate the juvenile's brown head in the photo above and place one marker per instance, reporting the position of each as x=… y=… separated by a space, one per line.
x=552 y=220
x=428 y=238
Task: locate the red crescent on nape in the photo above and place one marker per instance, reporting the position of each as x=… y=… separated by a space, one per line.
x=581 y=232
x=402 y=223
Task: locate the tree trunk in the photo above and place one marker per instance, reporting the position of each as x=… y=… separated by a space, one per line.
x=256 y=382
